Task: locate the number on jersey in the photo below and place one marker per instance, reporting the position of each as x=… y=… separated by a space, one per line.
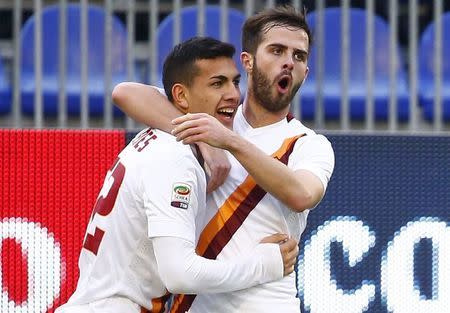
x=143 y=140
x=105 y=203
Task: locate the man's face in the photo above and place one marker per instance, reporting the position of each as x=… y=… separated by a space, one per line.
x=215 y=90
x=279 y=67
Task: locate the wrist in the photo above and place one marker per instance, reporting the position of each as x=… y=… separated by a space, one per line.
x=234 y=143
x=271 y=261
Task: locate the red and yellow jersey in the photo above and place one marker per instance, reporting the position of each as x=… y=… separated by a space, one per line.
x=241 y=213
x=155 y=188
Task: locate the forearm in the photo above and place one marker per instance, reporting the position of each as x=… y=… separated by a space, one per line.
x=293 y=188
x=298 y=190
x=145 y=104
x=183 y=271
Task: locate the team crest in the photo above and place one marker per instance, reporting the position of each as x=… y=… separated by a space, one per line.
x=181 y=193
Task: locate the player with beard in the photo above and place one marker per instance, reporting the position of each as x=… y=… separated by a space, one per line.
x=280 y=169
x=140 y=241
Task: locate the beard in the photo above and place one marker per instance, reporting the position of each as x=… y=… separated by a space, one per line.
x=262 y=91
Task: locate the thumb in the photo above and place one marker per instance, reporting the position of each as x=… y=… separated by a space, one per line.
x=275 y=238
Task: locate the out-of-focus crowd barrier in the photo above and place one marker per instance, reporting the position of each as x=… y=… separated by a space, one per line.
x=378 y=242
x=375 y=65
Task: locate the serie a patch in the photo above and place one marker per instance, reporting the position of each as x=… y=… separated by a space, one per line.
x=181 y=193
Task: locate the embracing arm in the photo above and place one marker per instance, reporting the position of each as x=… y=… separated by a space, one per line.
x=298 y=189
x=183 y=271
x=145 y=104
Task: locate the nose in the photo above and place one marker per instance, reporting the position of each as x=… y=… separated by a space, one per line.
x=289 y=62
x=233 y=93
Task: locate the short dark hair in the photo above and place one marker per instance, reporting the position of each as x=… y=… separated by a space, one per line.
x=257 y=25
x=179 y=65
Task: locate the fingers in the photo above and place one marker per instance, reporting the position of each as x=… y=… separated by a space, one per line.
x=275 y=238
x=216 y=179
x=188 y=126
x=189 y=117
x=180 y=129
x=213 y=181
x=217 y=166
x=218 y=175
x=213 y=184
x=190 y=135
x=201 y=127
x=289 y=251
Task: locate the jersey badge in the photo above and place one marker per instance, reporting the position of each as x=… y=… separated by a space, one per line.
x=181 y=193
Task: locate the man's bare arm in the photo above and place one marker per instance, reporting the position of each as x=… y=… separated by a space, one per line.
x=298 y=190
x=145 y=104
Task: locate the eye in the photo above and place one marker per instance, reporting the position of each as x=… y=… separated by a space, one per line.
x=301 y=57
x=276 y=51
x=217 y=84
x=236 y=82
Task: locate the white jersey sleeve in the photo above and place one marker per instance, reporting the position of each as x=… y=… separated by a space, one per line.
x=184 y=272
x=315 y=154
x=173 y=200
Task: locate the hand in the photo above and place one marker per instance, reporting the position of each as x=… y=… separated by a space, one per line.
x=217 y=165
x=202 y=127
x=288 y=249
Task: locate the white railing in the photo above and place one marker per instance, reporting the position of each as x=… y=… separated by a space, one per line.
x=142 y=57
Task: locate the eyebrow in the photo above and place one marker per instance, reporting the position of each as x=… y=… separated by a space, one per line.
x=279 y=45
x=224 y=78
x=303 y=52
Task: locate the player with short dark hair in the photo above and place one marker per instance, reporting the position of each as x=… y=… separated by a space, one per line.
x=280 y=169
x=140 y=241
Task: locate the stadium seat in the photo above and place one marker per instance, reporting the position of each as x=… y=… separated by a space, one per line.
x=5 y=90
x=332 y=89
x=188 y=26
x=426 y=86
x=95 y=56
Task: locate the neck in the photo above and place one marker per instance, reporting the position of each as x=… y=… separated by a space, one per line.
x=257 y=116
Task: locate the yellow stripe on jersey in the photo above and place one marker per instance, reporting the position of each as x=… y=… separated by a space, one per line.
x=233 y=201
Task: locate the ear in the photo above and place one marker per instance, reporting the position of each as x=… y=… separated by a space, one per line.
x=306 y=75
x=179 y=94
x=247 y=61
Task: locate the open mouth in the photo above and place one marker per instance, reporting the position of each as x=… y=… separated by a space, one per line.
x=226 y=112
x=283 y=84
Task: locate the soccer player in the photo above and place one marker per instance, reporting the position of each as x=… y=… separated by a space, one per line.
x=140 y=241
x=280 y=169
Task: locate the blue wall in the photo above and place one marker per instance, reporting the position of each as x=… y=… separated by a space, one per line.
x=387 y=206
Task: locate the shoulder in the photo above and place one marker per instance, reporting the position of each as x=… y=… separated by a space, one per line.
x=314 y=153
x=311 y=136
x=315 y=142
x=317 y=138
x=152 y=147
x=296 y=126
